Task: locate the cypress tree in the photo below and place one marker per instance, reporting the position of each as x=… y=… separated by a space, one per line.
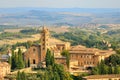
x=13 y=60
x=48 y=57
x=28 y=63
x=66 y=54
x=20 y=62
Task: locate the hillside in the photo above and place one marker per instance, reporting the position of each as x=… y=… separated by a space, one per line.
x=53 y=16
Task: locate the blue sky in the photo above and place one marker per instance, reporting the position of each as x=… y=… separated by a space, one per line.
x=61 y=3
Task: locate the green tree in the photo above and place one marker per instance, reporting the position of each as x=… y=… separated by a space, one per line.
x=95 y=71
x=10 y=60
x=113 y=60
x=103 y=68
x=116 y=70
x=56 y=76
x=55 y=71
x=110 y=70
x=18 y=76
x=13 y=60
x=20 y=62
x=28 y=63
x=66 y=54
x=49 y=58
x=23 y=76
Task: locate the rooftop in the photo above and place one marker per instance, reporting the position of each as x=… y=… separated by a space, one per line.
x=83 y=50
x=4 y=64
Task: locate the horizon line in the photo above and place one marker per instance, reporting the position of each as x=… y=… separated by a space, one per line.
x=62 y=7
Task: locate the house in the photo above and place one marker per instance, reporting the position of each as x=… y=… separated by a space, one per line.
x=4 y=69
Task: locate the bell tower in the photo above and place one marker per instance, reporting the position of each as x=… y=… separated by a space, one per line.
x=44 y=43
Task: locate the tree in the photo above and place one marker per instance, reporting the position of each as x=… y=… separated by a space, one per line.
x=28 y=63
x=10 y=60
x=21 y=76
x=118 y=51
x=18 y=76
x=95 y=71
x=116 y=70
x=20 y=62
x=56 y=76
x=103 y=68
x=110 y=70
x=113 y=60
x=13 y=60
x=66 y=54
x=54 y=71
x=49 y=58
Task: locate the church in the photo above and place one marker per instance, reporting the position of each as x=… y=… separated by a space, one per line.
x=80 y=56
x=36 y=53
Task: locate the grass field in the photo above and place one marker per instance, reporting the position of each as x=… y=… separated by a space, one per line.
x=33 y=37
x=12 y=30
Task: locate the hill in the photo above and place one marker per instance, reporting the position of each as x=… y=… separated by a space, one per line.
x=58 y=16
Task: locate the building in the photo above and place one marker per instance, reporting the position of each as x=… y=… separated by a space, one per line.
x=103 y=77
x=5 y=57
x=80 y=56
x=86 y=57
x=36 y=53
x=4 y=69
x=33 y=55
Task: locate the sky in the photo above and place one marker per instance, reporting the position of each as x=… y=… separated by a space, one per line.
x=60 y=3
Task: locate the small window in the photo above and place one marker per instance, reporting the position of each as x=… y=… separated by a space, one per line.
x=34 y=50
x=43 y=39
x=34 y=61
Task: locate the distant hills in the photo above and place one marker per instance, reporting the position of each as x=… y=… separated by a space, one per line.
x=58 y=16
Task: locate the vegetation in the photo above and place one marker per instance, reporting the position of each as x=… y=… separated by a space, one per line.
x=17 y=60
x=4 y=48
x=67 y=55
x=55 y=71
x=21 y=76
x=3 y=27
x=77 y=36
x=8 y=35
x=110 y=66
x=80 y=37
x=90 y=38
x=102 y=68
x=30 y=31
